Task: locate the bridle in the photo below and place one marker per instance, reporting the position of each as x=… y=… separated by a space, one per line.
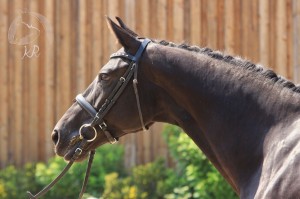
x=98 y=117
x=88 y=132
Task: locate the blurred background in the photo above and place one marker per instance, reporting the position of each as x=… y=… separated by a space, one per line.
x=51 y=50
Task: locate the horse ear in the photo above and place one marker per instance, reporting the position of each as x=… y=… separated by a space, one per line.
x=129 y=42
x=122 y=24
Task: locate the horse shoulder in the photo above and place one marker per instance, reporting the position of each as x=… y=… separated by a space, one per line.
x=280 y=171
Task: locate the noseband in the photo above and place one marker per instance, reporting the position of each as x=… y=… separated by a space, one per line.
x=88 y=132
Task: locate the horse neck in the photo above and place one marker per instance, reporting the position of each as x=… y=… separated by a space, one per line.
x=226 y=110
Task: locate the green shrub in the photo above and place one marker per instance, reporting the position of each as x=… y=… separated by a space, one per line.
x=108 y=159
x=153 y=180
x=15 y=182
x=197 y=176
x=3 y=193
x=117 y=187
x=150 y=181
x=192 y=177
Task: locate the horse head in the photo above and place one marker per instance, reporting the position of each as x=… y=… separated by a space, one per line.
x=113 y=104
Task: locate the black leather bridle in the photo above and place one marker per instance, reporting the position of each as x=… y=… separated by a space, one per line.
x=98 y=117
x=88 y=132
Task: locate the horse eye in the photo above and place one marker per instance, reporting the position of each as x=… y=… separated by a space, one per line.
x=104 y=76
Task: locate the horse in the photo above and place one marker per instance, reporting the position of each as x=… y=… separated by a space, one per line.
x=243 y=116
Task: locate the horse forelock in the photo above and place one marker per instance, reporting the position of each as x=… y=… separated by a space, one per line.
x=236 y=61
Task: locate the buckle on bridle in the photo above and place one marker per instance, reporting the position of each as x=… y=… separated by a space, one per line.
x=113 y=141
x=78 y=151
x=103 y=126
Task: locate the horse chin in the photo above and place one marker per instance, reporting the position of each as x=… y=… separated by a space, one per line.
x=71 y=149
x=69 y=155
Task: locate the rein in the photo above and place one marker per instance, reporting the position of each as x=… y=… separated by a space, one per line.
x=98 y=118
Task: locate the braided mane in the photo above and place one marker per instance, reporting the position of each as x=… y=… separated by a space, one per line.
x=236 y=61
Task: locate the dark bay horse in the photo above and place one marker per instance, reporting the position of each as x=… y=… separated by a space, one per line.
x=244 y=117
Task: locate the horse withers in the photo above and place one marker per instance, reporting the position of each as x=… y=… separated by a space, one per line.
x=244 y=117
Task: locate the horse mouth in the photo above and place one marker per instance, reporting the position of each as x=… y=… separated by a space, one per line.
x=69 y=152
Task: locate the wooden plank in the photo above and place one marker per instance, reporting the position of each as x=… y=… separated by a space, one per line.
x=254 y=32
x=153 y=20
x=281 y=38
x=238 y=26
x=186 y=21
x=121 y=10
x=212 y=24
x=10 y=75
x=25 y=104
x=33 y=69
x=129 y=12
x=49 y=74
x=204 y=24
x=63 y=71
x=130 y=150
x=74 y=40
x=3 y=83
x=155 y=143
x=139 y=16
x=229 y=32
x=42 y=134
x=250 y=30
x=161 y=21
x=220 y=24
x=246 y=26
x=272 y=33
x=143 y=22
x=88 y=37
x=41 y=84
x=140 y=148
x=98 y=24
x=178 y=23
x=195 y=27
x=296 y=40
x=82 y=69
x=140 y=25
x=113 y=10
x=105 y=36
x=264 y=28
x=17 y=95
x=162 y=145
x=289 y=12
x=170 y=16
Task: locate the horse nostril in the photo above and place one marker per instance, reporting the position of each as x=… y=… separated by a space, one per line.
x=55 y=136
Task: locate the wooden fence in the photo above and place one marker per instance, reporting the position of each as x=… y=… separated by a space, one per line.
x=51 y=50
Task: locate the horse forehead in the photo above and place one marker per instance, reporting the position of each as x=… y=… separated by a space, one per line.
x=113 y=64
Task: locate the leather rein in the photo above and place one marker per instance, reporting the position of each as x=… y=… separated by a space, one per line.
x=88 y=132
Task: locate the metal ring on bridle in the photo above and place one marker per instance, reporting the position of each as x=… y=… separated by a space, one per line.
x=86 y=126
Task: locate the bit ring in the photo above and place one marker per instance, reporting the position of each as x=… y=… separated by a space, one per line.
x=88 y=126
